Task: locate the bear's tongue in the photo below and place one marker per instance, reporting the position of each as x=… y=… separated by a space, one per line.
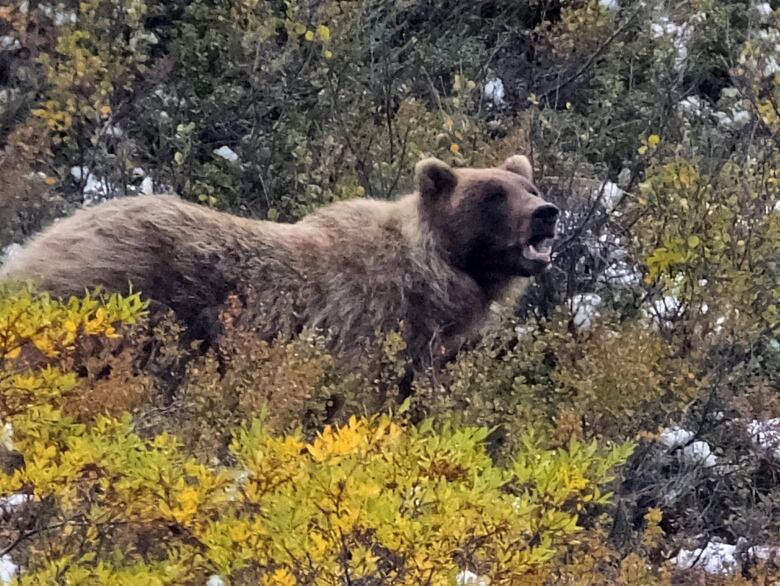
x=538 y=249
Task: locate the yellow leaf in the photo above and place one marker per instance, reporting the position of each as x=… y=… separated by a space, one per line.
x=309 y=36
x=324 y=33
x=280 y=577
x=454 y=148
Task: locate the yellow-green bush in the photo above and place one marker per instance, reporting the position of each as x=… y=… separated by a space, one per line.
x=328 y=100
x=374 y=499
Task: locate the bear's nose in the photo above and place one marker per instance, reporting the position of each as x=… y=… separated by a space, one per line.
x=545 y=215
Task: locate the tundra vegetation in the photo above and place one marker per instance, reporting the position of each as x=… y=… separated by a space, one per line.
x=620 y=425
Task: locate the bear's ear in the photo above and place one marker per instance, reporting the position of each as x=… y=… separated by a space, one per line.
x=521 y=165
x=434 y=178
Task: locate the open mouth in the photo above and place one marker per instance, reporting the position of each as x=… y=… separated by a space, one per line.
x=539 y=249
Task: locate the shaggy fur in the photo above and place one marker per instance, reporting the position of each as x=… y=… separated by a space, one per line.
x=433 y=259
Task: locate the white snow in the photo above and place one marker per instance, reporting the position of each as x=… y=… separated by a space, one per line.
x=609 y=4
x=147 y=186
x=718 y=558
x=766 y=435
x=765 y=553
x=724 y=119
x=622 y=274
x=675 y=437
x=771 y=67
x=690 y=105
x=735 y=118
x=95 y=188
x=467 y=578
x=680 y=35
x=700 y=452
x=585 y=307
x=714 y=558
x=215 y=580
x=114 y=131
x=5 y=255
x=494 y=91
x=663 y=310
x=9 y=43
x=740 y=118
x=8 y=570
x=14 y=501
x=59 y=17
x=609 y=193
x=226 y=153
x=764 y=10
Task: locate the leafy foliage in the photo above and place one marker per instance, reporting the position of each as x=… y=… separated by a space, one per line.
x=372 y=499
x=661 y=308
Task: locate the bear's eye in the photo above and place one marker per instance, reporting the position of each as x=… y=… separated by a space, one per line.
x=495 y=194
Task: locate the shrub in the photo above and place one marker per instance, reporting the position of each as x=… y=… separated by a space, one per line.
x=374 y=500
x=660 y=309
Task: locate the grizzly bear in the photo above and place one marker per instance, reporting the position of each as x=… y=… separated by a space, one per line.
x=432 y=260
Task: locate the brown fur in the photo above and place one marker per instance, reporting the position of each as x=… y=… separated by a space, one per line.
x=434 y=259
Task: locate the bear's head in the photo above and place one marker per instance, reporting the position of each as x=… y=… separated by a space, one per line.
x=493 y=224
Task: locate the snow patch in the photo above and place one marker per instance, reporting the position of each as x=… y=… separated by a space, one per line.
x=717 y=558
x=771 y=67
x=215 y=580
x=766 y=435
x=226 y=153
x=714 y=558
x=14 y=501
x=59 y=17
x=680 y=35
x=609 y=193
x=585 y=307
x=622 y=274
x=495 y=92
x=663 y=310
x=8 y=570
x=114 y=131
x=763 y=10
x=147 y=186
x=700 y=452
x=7 y=254
x=735 y=118
x=609 y=4
x=675 y=437
x=9 y=43
x=765 y=553
x=691 y=105
x=95 y=188
x=467 y=578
